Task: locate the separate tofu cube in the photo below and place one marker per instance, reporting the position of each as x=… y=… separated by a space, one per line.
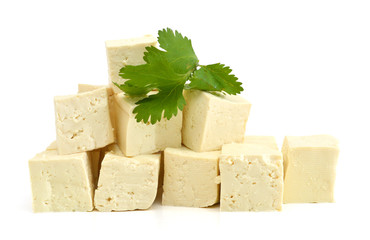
x=94 y=158
x=135 y=138
x=127 y=183
x=87 y=88
x=212 y=120
x=309 y=168
x=251 y=178
x=190 y=178
x=83 y=122
x=268 y=141
x=126 y=52
x=61 y=182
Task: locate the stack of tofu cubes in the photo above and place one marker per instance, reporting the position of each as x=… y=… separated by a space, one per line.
x=104 y=159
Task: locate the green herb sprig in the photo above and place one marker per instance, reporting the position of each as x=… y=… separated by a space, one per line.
x=170 y=71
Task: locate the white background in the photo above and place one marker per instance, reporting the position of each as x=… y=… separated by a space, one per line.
x=305 y=66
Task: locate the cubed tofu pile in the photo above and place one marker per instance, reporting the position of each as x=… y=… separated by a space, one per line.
x=104 y=159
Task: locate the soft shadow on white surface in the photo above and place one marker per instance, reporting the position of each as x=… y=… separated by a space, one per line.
x=303 y=220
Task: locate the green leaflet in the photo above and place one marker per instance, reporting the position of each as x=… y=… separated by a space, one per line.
x=167 y=71
x=215 y=77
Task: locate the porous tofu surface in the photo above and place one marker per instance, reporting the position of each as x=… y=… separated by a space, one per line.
x=190 y=178
x=251 y=178
x=88 y=87
x=211 y=120
x=126 y=183
x=61 y=182
x=83 y=121
x=310 y=168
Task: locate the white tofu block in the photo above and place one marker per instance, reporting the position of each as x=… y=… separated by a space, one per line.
x=213 y=120
x=61 y=182
x=251 y=178
x=83 y=121
x=268 y=141
x=126 y=52
x=87 y=88
x=309 y=168
x=135 y=138
x=127 y=183
x=94 y=158
x=190 y=178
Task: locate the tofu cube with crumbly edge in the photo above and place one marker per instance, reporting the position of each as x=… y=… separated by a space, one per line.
x=83 y=121
x=126 y=183
x=268 y=141
x=212 y=120
x=61 y=182
x=126 y=52
x=135 y=138
x=251 y=178
x=309 y=168
x=87 y=88
x=190 y=178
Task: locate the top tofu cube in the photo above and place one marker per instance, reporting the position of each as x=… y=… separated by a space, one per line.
x=126 y=52
x=309 y=168
x=212 y=120
x=83 y=122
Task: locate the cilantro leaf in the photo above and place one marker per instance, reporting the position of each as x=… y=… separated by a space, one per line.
x=133 y=90
x=180 y=52
x=147 y=76
x=166 y=70
x=215 y=77
x=153 y=106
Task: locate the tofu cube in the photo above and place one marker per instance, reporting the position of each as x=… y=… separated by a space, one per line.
x=135 y=138
x=212 y=120
x=190 y=178
x=94 y=158
x=126 y=183
x=87 y=88
x=61 y=182
x=83 y=121
x=268 y=141
x=251 y=178
x=125 y=52
x=309 y=168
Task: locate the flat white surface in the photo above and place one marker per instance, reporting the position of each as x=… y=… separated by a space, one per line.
x=305 y=66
